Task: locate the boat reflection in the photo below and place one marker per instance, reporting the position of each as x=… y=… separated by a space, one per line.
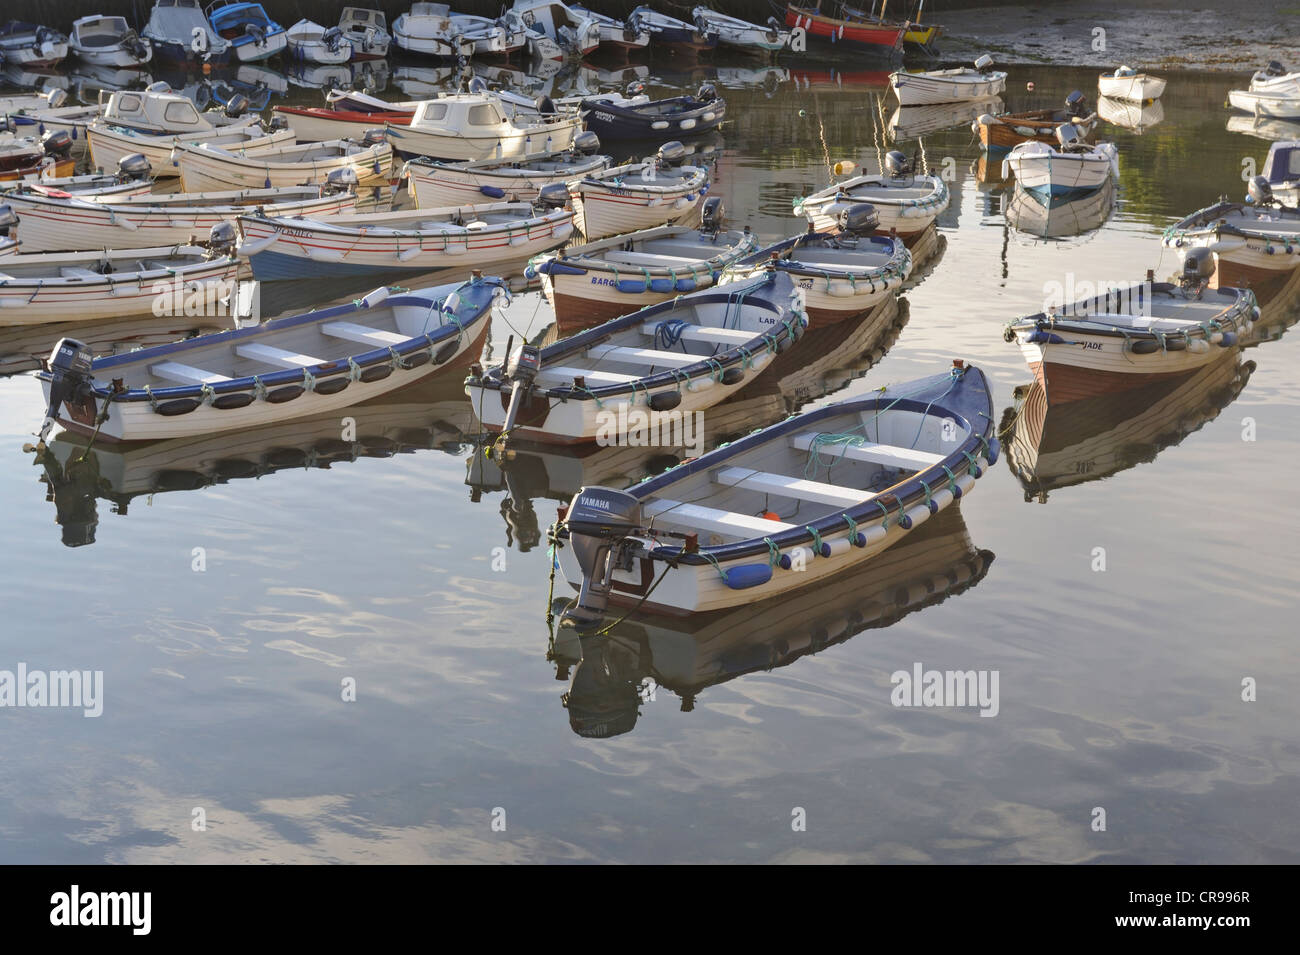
x=1137 y=117
x=430 y=415
x=856 y=80
x=1058 y=218
x=1278 y=130
x=910 y=122
x=1048 y=448
x=25 y=347
x=611 y=677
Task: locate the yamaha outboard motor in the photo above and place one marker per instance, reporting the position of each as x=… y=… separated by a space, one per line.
x=159 y=86
x=70 y=378
x=134 y=166
x=897 y=165
x=258 y=33
x=586 y=142
x=134 y=45
x=57 y=142
x=222 y=238
x=711 y=215
x=856 y=218
x=1259 y=192
x=341 y=180
x=333 y=38
x=671 y=154
x=983 y=63
x=521 y=368
x=236 y=106
x=8 y=219
x=477 y=85
x=600 y=521
x=554 y=195
x=1198 y=266
x=707 y=93
x=1076 y=104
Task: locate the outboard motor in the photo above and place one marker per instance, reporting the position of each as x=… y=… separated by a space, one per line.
x=711 y=215
x=1069 y=136
x=236 y=106
x=56 y=97
x=161 y=86
x=554 y=195
x=1274 y=68
x=373 y=137
x=1198 y=266
x=521 y=368
x=70 y=378
x=707 y=93
x=341 y=180
x=134 y=166
x=1259 y=192
x=8 y=219
x=671 y=154
x=635 y=88
x=856 y=218
x=983 y=63
x=57 y=142
x=222 y=238
x=600 y=521
x=277 y=122
x=478 y=85
x=333 y=38
x=132 y=43
x=1076 y=104
x=897 y=165
x=586 y=142
x=256 y=32
x=545 y=105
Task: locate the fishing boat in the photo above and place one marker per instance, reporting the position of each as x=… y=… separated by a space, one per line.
x=206 y=167
x=31 y=45
x=310 y=42
x=678 y=357
x=287 y=368
x=435 y=184
x=641 y=195
x=427 y=28
x=948 y=86
x=83 y=286
x=614 y=119
x=1282 y=170
x=252 y=34
x=1256 y=244
x=481 y=125
x=906 y=204
x=674 y=34
x=1128 y=336
x=367 y=31
x=742 y=35
x=152 y=122
x=557 y=31
x=1275 y=78
x=593 y=283
x=178 y=30
x=26 y=157
x=1279 y=105
x=62 y=222
x=1130 y=85
x=1077 y=216
x=109 y=41
x=625 y=35
x=849 y=29
x=782 y=509
x=841 y=275
x=412 y=240
x=1072 y=167
x=1139 y=117
x=999 y=133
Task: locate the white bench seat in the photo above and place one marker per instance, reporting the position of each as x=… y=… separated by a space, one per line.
x=697 y=517
x=276 y=356
x=782 y=485
x=653 y=259
x=353 y=332
x=703 y=333
x=185 y=374
x=72 y=272
x=593 y=377
x=886 y=454
x=641 y=356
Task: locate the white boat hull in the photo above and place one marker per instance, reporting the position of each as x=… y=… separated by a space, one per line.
x=907 y=216
x=1137 y=88
x=1275 y=105
x=209 y=171
x=553 y=137
x=604 y=210
x=1039 y=168
x=917 y=89
x=109 y=144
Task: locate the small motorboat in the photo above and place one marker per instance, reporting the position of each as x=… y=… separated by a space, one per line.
x=310 y=42
x=1059 y=218
x=252 y=34
x=841 y=275
x=948 y=86
x=31 y=45
x=669 y=32
x=82 y=286
x=1256 y=244
x=346 y=115
x=412 y=240
x=677 y=357
x=781 y=509
x=292 y=367
x=593 y=283
x=555 y=30
x=1007 y=130
x=1130 y=85
x=26 y=157
x=367 y=31
x=851 y=28
x=642 y=195
x=57 y=221
x=464 y=127
x=207 y=167
x=1282 y=170
x=133 y=178
x=109 y=41
x=1139 y=117
x=1275 y=78
x=435 y=184
x=765 y=39
x=905 y=203
x=1072 y=167
x=428 y=28
x=178 y=30
x=626 y=35
x=504 y=36
x=1128 y=336
x=616 y=119
x=1284 y=104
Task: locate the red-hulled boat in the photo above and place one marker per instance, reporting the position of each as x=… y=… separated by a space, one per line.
x=871 y=35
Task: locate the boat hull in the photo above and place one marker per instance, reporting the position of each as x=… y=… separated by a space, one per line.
x=315 y=125
x=880 y=38
x=1134 y=89
x=204 y=171
x=108 y=144
x=913 y=89
x=553 y=137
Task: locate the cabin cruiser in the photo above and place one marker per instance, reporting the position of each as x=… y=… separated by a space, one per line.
x=178 y=30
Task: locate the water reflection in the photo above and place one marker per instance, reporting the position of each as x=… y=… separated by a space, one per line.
x=1058 y=218
x=911 y=122
x=1137 y=117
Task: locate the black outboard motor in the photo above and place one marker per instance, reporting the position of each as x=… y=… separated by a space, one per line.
x=707 y=93
x=222 y=238
x=635 y=88
x=70 y=378
x=1198 y=266
x=554 y=195
x=236 y=106
x=897 y=165
x=521 y=367
x=1076 y=104
x=341 y=180
x=57 y=142
x=132 y=43
x=8 y=219
x=277 y=122
x=671 y=154
x=134 y=166
x=373 y=137
x=333 y=38
x=586 y=142
x=1274 y=68
x=1259 y=192
x=711 y=215
x=856 y=218
x=600 y=521
x=545 y=105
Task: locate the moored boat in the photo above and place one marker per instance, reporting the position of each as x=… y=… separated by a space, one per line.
x=782 y=509
x=556 y=31
x=207 y=167
x=1282 y=171
x=482 y=125
x=864 y=34
x=687 y=115
x=367 y=31
x=626 y=35
x=1001 y=132
x=905 y=202
x=31 y=45
x=252 y=34
x=948 y=86
x=642 y=195
x=1284 y=104
x=178 y=30
x=1072 y=167
x=109 y=41
x=315 y=124
x=1275 y=78
x=427 y=28
x=435 y=184
x=768 y=38
x=309 y=42
x=1130 y=85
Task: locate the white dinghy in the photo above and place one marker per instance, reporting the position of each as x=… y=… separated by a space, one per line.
x=1284 y=104
x=205 y=167
x=134 y=177
x=782 y=509
x=555 y=30
x=463 y=127
x=428 y=28
x=1275 y=78
x=1073 y=167
x=31 y=45
x=629 y=198
x=109 y=41
x=768 y=38
x=367 y=31
x=1130 y=85
x=948 y=86
x=906 y=203
x=287 y=368
x=309 y=42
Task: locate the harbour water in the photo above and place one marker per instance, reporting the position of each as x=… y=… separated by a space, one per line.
x=1122 y=590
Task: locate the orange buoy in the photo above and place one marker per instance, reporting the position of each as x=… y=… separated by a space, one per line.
x=771 y=516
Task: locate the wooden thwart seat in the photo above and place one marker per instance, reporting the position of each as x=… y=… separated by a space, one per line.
x=782 y=485
x=702 y=333
x=697 y=517
x=886 y=454
x=651 y=259
x=593 y=377
x=276 y=356
x=353 y=332
x=641 y=356
x=185 y=374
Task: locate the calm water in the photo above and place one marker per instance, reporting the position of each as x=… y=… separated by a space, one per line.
x=1119 y=689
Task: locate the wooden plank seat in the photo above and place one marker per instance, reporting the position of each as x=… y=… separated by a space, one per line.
x=353 y=332
x=653 y=259
x=593 y=377
x=271 y=355
x=782 y=485
x=697 y=517
x=702 y=333
x=641 y=356
x=185 y=374
x=885 y=454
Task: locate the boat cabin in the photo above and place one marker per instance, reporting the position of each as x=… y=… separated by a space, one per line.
x=92 y=32
x=359 y=20
x=1283 y=163
x=155 y=113
x=460 y=111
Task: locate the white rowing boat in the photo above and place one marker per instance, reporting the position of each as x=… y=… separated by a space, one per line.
x=205 y=167
x=642 y=195
x=906 y=203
